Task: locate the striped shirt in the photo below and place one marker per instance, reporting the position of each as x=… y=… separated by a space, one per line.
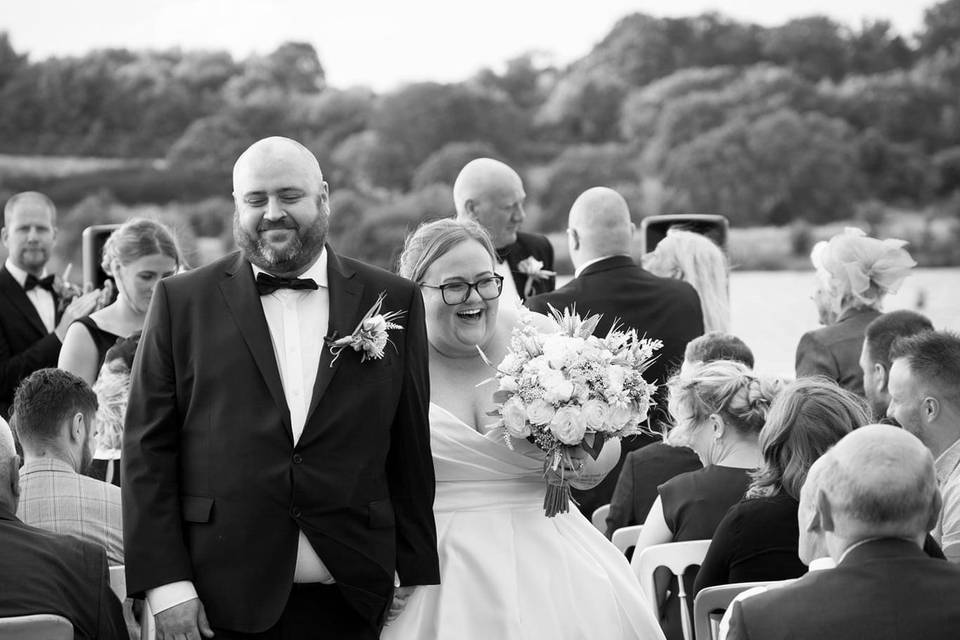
x=56 y=498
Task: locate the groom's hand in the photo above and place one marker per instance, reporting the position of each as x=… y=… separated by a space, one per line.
x=400 y=596
x=186 y=620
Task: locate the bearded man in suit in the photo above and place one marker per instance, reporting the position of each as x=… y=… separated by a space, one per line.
x=607 y=281
x=32 y=324
x=276 y=482
x=490 y=193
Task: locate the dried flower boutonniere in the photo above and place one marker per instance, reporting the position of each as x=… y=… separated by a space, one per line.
x=370 y=337
x=533 y=269
x=65 y=291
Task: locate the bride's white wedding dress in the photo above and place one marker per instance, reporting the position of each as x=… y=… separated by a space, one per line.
x=507 y=571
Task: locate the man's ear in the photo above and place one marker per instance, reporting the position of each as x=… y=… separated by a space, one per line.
x=881 y=376
x=470 y=207
x=824 y=511
x=78 y=428
x=574 y=239
x=930 y=409
x=13 y=472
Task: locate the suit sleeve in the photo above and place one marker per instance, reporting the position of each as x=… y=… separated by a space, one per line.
x=738 y=628
x=110 y=622
x=410 y=463
x=815 y=359
x=548 y=264
x=537 y=304
x=621 y=503
x=155 y=551
x=15 y=367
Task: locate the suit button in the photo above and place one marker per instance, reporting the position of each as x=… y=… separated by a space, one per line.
x=295 y=512
x=297 y=458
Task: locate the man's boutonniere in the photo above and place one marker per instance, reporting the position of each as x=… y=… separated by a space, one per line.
x=533 y=269
x=370 y=337
x=64 y=290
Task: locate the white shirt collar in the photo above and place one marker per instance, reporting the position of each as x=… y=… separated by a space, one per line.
x=316 y=272
x=819 y=564
x=579 y=270
x=19 y=274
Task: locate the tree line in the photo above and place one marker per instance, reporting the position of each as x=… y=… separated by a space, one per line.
x=810 y=120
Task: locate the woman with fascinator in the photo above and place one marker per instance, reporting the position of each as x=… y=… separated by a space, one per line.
x=854 y=273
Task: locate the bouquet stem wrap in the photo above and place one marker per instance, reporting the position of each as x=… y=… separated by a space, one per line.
x=557 y=498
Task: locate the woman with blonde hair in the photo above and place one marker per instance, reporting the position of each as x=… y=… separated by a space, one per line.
x=696 y=259
x=718 y=409
x=854 y=274
x=136 y=256
x=757 y=538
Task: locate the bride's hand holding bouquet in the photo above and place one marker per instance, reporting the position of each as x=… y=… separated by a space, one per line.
x=569 y=392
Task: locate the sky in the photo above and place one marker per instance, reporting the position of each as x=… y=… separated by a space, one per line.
x=381 y=43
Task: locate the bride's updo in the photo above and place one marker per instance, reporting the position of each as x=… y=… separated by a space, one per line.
x=431 y=240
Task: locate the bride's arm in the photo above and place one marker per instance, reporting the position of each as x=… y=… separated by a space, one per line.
x=593 y=471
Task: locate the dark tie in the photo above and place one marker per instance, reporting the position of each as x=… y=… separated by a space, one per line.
x=34 y=281
x=267 y=284
x=504 y=252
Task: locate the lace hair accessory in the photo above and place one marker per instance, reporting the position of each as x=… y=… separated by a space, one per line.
x=863 y=269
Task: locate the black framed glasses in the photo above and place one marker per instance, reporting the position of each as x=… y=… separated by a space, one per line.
x=458 y=292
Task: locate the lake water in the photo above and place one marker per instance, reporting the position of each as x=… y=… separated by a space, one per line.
x=771 y=309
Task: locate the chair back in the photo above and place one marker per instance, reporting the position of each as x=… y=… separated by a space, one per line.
x=599 y=518
x=715 y=600
x=675 y=556
x=45 y=626
x=626 y=537
x=118 y=582
x=148 y=625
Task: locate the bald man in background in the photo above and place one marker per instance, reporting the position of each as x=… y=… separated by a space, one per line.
x=607 y=281
x=876 y=500
x=490 y=193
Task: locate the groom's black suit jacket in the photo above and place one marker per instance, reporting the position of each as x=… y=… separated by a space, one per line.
x=661 y=308
x=214 y=490
x=25 y=344
x=529 y=245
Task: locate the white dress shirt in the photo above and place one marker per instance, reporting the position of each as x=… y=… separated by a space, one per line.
x=509 y=295
x=41 y=299
x=297 y=321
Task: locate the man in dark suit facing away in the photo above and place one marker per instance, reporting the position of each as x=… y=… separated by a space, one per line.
x=877 y=499
x=44 y=572
x=32 y=324
x=276 y=485
x=491 y=193
x=607 y=281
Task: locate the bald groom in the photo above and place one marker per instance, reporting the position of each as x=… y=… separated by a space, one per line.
x=607 y=281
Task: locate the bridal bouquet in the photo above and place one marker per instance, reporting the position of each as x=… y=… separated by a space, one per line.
x=572 y=389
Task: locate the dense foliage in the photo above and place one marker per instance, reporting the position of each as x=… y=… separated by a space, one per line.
x=808 y=121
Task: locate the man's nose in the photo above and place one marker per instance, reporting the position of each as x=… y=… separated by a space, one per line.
x=274 y=210
x=519 y=214
x=33 y=234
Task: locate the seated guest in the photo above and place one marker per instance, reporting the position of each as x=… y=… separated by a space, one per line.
x=877 y=499
x=113 y=393
x=54 y=412
x=875 y=356
x=44 y=572
x=812 y=546
x=607 y=281
x=648 y=467
x=718 y=410
x=854 y=274
x=757 y=538
x=694 y=258
x=925 y=400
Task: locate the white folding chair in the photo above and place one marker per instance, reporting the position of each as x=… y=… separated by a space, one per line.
x=626 y=537
x=713 y=601
x=675 y=556
x=599 y=518
x=148 y=627
x=118 y=582
x=45 y=626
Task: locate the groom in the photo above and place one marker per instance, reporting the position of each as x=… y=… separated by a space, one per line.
x=271 y=489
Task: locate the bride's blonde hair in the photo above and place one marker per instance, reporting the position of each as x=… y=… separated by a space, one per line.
x=431 y=240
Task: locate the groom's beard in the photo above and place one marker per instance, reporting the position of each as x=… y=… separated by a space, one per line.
x=292 y=258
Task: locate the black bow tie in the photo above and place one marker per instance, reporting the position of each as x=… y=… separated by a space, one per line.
x=504 y=252
x=34 y=281
x=267 y=284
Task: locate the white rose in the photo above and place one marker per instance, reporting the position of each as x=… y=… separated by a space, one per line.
x=511 y=364
x=619 y=416
x=515 y=418
x=540 y=412
x=549 y=378
x=375 y=324
x=559 y=391
x=560 y=349
x=615 y=377
x=595 y=414
x=568 y=426
x=508 y=383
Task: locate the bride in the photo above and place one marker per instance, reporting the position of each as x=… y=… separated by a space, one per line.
x=507 y=570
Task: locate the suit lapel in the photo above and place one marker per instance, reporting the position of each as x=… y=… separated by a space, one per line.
x=18 y=298
x=240 y=294
x=346 y=292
